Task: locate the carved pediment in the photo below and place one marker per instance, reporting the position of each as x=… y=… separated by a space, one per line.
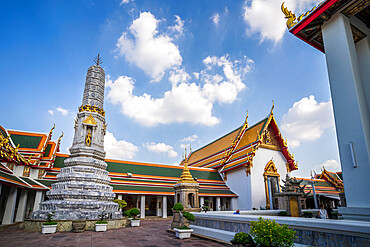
x=90 y=120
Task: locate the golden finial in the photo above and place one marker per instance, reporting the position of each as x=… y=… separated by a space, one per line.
x=98 y=60
x=273 y=106
x=288 y=15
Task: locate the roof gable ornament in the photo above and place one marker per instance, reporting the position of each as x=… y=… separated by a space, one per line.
x=292 y=19
x=90 y=120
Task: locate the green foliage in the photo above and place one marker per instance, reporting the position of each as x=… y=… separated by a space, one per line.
x=178 y=207
x=134 y=212
x=242 y=238
x=308 y=214
x=121 y=203
x=270 y=233
x=50 y=217
x=102 y=222
x=127 y=213
x=48 y=223
x=189 y=216
x=334 y=215
x=102 y=216
x=283 y=213
x=183 y=228
x=205 y=206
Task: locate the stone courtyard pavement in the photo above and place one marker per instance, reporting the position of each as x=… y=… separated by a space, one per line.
x=151 y=233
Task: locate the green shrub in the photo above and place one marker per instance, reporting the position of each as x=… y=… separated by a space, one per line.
x=283 y=213
x=48 y=223
x=308 y=214
x=270 y=233
x=183 y=228
x=127 y=213
x=102 y=216
x=50 y=216
x=178 y=207
x=205 y=206
x=242 y=238
x=189 y=216
x=102 y=222
x=121 y=203
x=134 y=212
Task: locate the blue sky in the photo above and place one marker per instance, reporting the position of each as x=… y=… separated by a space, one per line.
x=177 y=72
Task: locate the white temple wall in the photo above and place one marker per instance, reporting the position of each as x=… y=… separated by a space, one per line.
x=240 y=184
x=260 y=160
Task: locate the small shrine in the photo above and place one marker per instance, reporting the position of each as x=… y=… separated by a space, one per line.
x=290 y=196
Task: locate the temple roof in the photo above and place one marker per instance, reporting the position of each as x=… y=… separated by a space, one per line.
x=237 y=148
x=308 y=25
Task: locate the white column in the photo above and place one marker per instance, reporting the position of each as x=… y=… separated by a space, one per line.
x=38 y=199
x=351 y=114
x=201 y=201
x=218 y=203
x=22 y=206
x=234 y=203
x=10 y=206
x=159 y=202
x=119 y=197
x=142 y=206
x=164 y=207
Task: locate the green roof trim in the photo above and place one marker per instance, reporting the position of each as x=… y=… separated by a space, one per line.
x=45 y=182
x=159 y=171
x=26 y=141
x=47 y=150
x=59 y=162
x=12 y=177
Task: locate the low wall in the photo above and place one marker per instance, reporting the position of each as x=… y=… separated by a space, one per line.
x=66 y=225
x=309 y=231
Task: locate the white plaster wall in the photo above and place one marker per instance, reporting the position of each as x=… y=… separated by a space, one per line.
x=34 y=173
x=18 y=170
x=240 y=184
x=262 y=157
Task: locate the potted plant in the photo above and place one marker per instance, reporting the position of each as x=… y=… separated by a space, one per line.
x=101 y=225
x=308 y=214
x=134 y=212
x=183 y=231
x=269 y=233
x=205 y=206
x=242 y=239
x=50 y=226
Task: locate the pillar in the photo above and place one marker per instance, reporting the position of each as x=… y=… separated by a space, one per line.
x=218 y=203
x=159 y=203
x=119 y=197
x=201 y=201
x=210 y=203
x=38 y=200
x=234 y=203
x=22 y=206
x=8 y=217
x=351 y=114
x=142 y=206
x=164 y=207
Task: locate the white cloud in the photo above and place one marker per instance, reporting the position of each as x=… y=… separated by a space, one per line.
x=216 y=19
x=125 y=2
x=148 y=49
x=161 y=148
x=191 y=138
x=307 y=120
x=220 y=82
x=51 y=112
x=178 y=28
x=330 y=165
x=63 y=111
x=118 y=149
x=265 y=18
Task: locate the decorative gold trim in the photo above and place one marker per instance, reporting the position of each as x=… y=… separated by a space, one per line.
x=91 y=108
x=88 y=139
x=26 y=171
x=90 y=120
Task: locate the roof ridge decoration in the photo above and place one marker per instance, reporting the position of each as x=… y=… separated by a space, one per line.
x=292 y=20
x=338 y=184
x=56 y=150
x=90 y=120
x=186 y=176
x=11 y=153
x=234 y=144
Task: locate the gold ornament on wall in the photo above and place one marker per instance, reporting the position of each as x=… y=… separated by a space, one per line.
x=88 y=139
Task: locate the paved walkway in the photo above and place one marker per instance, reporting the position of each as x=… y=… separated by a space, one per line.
x=151 y=233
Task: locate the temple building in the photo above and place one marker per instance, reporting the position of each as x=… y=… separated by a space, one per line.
x=341 y=30
x=241 y=170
